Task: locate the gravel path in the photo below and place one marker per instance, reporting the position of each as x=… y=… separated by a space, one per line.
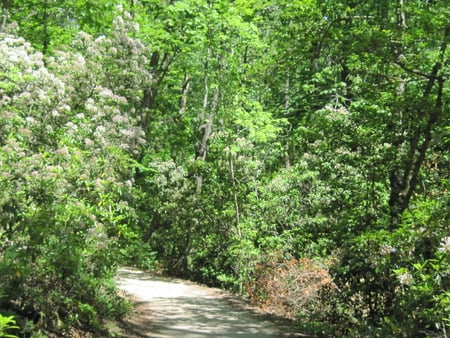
x=166 y=307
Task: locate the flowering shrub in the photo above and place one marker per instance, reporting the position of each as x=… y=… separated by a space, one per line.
x=395 y=284
x=66 y=177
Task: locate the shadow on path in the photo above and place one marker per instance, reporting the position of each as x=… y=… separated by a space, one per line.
x=169 y=307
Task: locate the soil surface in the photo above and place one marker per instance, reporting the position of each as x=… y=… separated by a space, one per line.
x=168 y=307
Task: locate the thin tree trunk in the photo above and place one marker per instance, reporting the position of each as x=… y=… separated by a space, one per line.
x=404 y=179
x=184 y=95
x=401 y=18
x=235 y=193
x=46 y=37
x=206 y=129
x=207 y=116
x=287 y=104
x=158 y=68
x=6 y=5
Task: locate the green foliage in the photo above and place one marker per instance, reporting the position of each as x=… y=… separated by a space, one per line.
x=50 y=25
x=7 y=324
x=384 y=275
x=66 y=183
x=308 y=146
x=207 y=138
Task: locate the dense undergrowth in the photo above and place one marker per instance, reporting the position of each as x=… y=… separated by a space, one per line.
x=296 y=152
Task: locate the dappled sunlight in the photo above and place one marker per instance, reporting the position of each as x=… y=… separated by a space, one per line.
x=168 y=307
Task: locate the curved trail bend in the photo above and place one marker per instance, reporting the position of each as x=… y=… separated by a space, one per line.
x=167 y=308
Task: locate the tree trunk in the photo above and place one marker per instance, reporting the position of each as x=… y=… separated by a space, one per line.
x=404 y=177
x=6 y=6
x=158 y=69
x=235 y=185
x=184 y=95
x=287 y=105
x=401 y=18
x=206 y=128
x=46 y=37
x=207 y=116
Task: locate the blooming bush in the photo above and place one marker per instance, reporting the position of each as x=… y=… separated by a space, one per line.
x=66 y=178
x=396 y=283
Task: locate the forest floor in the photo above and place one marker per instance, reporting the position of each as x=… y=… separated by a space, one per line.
x=167 y=307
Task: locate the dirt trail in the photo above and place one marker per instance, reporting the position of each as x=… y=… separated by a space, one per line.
x=167 y=308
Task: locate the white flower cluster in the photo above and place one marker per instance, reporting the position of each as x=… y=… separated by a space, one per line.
x=445 y=244
x=406 y=279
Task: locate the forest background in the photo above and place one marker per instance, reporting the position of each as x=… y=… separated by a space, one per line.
x=294 y=151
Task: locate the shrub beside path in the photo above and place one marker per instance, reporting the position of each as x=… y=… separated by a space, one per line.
x=167 y=307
